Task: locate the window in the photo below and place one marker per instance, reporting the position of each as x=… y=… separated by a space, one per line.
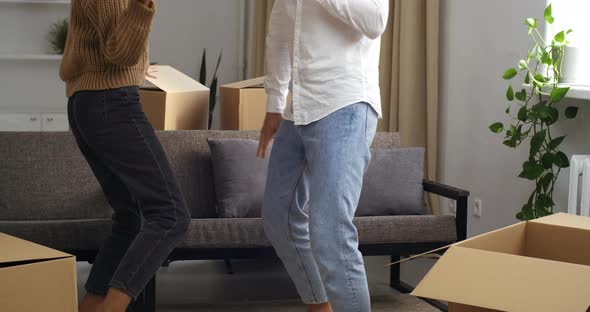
x=574 y=14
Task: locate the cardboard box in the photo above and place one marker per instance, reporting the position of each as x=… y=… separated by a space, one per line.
x=174 y=101
x=541 y=266
x=242 y=105
x=34 y=278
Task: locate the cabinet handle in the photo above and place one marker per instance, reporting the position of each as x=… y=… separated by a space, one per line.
x=50 y=119
x=33 y=119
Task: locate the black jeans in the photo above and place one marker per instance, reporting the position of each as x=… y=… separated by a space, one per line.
x=150 y=216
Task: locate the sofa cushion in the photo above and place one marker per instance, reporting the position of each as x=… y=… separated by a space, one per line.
x=232 y=233
x=393 y=183
x=239 y=177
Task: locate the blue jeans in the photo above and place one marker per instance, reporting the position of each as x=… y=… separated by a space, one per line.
x=313 y=188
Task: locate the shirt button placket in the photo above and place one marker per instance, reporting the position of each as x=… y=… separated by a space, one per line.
x=296 y=39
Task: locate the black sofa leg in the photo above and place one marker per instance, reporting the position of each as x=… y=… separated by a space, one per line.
x=228 y=266
x=146 y=302
x=395 y=279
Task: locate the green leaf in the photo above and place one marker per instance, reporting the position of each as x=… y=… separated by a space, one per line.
x=540 y=78
x=546 y=181
x=510 y=94
x=510 y=143
x=542 y=110
x=555 y=143
x=507 y=110
x=527 y=79
x=510 y=73
x=546 y=59
x=557 y=94
x=522 y=65
x=544 y=201
x=520 y=216
x=203 y=73
x=571 y=112
x=531 y=171
x=560 y=37
x=561 y=160
x=532 y=22
x=547 y=160
x=497 y=127
x=537 y=142
x=554 y=116
x=522 y=95
x=527 y=212
x=549 y=14
x=523 y=114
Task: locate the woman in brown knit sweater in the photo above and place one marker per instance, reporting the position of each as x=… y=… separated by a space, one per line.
x=105 y=61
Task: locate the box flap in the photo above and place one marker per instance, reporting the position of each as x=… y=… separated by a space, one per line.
x=567 y=220
x=18 y=250
x=169 y=79
x=500 y=281
x=251 y=83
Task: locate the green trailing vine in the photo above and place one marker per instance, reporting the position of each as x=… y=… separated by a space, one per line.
x=534 y=111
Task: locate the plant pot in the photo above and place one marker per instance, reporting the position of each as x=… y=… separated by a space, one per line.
x=575 y=67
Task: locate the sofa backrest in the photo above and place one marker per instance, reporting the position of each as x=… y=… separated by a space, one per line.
x=43 y=175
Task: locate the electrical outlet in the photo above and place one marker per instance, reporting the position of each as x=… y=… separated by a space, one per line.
x=453 y=207
x=478 y=208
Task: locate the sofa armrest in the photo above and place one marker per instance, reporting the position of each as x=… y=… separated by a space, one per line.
x=462 y=198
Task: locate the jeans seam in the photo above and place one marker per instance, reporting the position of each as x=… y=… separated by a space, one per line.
x=169 y=195
x=291 y=233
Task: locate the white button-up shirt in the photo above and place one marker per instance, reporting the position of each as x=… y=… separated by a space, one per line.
x=326 y=52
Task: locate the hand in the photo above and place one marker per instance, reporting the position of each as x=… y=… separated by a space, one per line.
x=151 y=72
x=272 y=122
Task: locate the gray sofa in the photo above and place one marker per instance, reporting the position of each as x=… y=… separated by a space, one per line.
x=48 y=195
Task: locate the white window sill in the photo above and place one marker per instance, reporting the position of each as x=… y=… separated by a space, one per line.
x=576 y=91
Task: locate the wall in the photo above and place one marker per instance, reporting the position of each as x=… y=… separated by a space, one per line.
x=182 y=29
x=480 y=39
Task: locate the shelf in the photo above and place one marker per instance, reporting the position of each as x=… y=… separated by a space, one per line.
x=63 y=2
x=30 y=57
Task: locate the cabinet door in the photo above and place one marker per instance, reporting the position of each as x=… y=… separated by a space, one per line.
x=20 y=122
x=54 y=122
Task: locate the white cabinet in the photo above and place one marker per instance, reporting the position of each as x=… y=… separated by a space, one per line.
x=34 y=122
x=54 y=122
x=20 y=122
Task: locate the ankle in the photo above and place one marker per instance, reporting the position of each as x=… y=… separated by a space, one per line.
x=322 y=307
x=115 y=301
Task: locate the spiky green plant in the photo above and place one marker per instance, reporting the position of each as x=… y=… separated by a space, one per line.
x=214 y=83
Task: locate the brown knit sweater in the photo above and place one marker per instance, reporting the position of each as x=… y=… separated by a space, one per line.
x=107 y=45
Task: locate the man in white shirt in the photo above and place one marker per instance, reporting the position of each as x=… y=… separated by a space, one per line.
x=326 y=52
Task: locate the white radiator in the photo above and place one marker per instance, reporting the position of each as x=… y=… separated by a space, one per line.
x=580 y=166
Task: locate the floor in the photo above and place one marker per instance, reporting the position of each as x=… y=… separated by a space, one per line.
x=263 y=285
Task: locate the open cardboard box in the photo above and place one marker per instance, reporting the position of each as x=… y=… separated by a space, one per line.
x=174 y=101
x=540 y=266
x=243 y=105
x=34 y=278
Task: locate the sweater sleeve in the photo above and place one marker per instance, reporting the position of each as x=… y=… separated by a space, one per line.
x=123 y=37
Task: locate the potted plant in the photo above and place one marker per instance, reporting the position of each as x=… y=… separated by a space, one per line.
x=534 y=112
x=58 y=34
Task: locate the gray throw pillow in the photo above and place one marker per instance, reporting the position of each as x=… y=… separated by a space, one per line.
x=239 y=177
x=393 y=183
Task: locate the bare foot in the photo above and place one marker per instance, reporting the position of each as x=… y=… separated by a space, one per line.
x=324 y=307
x=90 y=303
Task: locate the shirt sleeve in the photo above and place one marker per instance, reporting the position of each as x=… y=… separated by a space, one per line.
x=123 y=37
x=369 y=17
x=278 y=57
